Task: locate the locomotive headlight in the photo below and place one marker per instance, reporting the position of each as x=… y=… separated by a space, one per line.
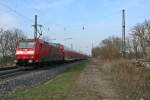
x=19 y=52
x=30 y=61
x=30 y=52
x=15 y=61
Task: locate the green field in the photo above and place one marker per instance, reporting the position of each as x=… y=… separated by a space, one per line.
x=55 y=89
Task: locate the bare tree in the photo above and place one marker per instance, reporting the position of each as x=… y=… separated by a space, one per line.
x=109 y=48
x=8 y=41
x=141 y=37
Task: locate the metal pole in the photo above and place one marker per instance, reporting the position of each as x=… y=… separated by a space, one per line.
x=71 y=46
x=92 y=45
x=16 y=39
x=35 y=27
x=123 y=33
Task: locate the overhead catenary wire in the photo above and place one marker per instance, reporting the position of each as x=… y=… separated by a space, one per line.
x=28 y=19
x=15 y=11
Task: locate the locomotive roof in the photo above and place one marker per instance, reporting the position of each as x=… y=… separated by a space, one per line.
x=32 y=40
x=50 y=43
x=27 y=40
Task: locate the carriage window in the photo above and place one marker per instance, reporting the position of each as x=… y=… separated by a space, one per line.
x=26 y=45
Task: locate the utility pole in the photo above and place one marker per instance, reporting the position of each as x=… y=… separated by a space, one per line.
x=123 y=34
x=71 y=46
x=16 y=39
x=36 y=28
x=92 y=45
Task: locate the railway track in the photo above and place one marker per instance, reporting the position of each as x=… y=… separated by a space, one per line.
x=21 y=78
x=4 y=74
x=16 y=71
x=7 y=68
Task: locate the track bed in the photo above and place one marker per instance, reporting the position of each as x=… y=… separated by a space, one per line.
x=33 y=77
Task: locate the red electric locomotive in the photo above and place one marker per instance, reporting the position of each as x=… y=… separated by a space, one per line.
x=30 y=51
x=37 y=51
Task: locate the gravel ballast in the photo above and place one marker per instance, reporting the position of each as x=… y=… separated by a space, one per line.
x=30 y=79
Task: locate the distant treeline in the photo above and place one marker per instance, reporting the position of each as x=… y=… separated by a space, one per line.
x=8 y=40
x=137 y=44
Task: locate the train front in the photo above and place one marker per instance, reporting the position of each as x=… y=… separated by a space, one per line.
x=25 y=52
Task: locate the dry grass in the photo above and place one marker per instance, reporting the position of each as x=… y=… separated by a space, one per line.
x=8 y=65
x=132 y=81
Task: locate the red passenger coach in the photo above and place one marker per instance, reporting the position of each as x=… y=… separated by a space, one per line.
x=37 y=51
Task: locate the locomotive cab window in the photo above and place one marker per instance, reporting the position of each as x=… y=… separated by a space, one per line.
x=26 y=44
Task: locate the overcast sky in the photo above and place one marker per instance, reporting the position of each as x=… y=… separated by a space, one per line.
x=101 y=18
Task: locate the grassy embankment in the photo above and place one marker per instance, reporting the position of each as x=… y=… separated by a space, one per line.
x=132 y=81
x=55 y=89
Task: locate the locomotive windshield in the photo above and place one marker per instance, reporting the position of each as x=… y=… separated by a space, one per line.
x=26 y=44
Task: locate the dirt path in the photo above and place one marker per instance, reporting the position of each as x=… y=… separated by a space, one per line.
x=94 y=84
